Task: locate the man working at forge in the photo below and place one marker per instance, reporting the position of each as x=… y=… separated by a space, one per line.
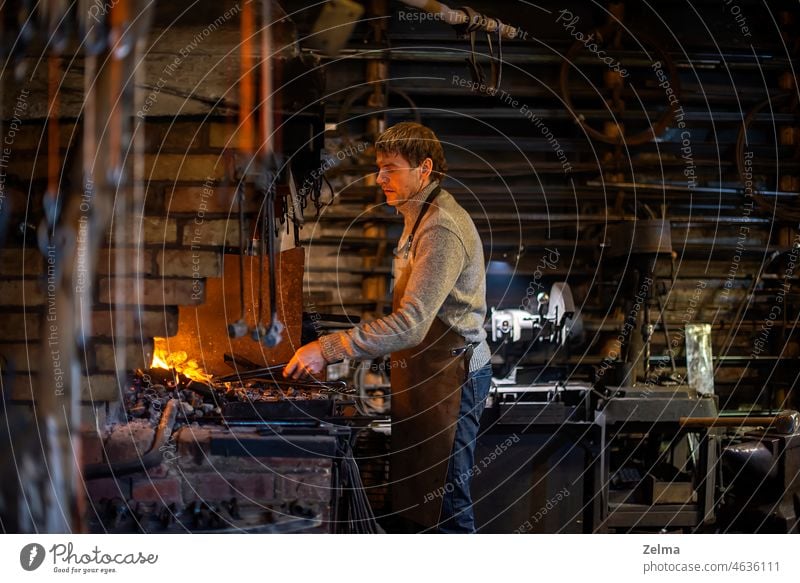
x=440 y=374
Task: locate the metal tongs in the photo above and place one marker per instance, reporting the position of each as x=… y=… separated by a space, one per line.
x=271 y=374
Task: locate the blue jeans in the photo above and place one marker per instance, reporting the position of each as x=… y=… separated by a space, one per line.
x=457 y=515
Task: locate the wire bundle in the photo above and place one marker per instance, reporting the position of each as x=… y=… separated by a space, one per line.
x=359 y=518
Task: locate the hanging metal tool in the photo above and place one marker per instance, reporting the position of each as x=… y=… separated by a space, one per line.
x=246 y=146
x=468 y=23
x=273 y=336
x=470 y=30
x=268 y=334
x=238 y=329
x=297 y=218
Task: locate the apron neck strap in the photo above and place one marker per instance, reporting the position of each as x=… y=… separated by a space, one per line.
x=425 y=205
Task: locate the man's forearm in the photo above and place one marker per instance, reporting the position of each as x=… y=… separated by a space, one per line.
x=437 y=266
x=376 y=338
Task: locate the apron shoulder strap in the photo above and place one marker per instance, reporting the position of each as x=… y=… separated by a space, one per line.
x=425 y=205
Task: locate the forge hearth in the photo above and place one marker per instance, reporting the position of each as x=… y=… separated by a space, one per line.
x=226 y=456
x=258 y=454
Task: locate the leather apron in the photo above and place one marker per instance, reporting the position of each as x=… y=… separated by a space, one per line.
x=426 y=396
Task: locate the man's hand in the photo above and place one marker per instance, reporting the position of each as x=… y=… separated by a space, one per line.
x=308 y=360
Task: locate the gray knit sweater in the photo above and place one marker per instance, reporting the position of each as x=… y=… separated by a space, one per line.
x=448 y=281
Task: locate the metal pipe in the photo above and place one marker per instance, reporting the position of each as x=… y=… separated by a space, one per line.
x=541 y=112
x=445 y=54
x=266 y=80
x=744 y=421
x=246 y=131
x=456 y=17
x=551 y=218
x=374 y=286
x=677 y=188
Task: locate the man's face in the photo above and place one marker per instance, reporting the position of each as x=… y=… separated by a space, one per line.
x=398 y=179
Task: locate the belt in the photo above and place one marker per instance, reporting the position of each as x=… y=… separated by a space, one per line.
x=467 y=351
x=469 y=347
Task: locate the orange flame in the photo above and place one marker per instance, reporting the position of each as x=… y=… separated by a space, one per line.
x=178 y=360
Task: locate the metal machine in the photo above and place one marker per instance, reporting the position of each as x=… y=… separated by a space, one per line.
x=552 y=322
x=519 y=333
x=537 y=435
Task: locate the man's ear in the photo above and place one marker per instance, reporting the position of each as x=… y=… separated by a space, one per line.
x=427 y=166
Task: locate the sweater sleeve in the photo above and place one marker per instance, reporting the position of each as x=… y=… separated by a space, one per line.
x=439 y=259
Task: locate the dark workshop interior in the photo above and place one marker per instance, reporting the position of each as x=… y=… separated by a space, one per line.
x=189 y=194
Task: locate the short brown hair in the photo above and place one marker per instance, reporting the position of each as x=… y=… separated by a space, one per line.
x=414 y=142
